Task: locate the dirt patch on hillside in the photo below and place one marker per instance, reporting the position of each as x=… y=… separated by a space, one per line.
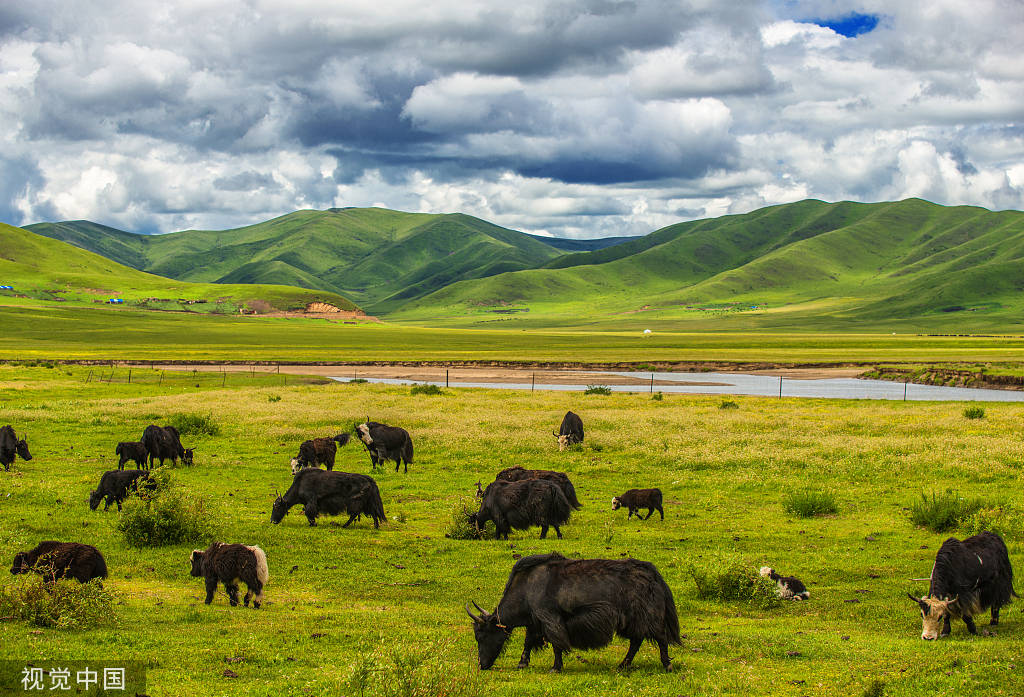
x=339 y=316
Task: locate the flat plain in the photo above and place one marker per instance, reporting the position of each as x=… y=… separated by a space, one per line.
x=380 y=612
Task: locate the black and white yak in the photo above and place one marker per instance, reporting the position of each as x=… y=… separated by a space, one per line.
x=164 y=443
x=968 y=578
x=131 y=451
x=570 y=432
x=786 y=587
x=57 y=560
x=521 y=505
x=11 y=446
x=579 y=604
x=385 y=443
x=635 y=499
x=230 y=564
x=518 y=474
x=331 y=493
x=116 y=485
x=318 y=451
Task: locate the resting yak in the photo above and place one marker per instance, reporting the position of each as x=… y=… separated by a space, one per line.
x=570 y=432
x=968 y=578
x=116 y=485
x=385 y=443
x=521 y=505
x=331 y=493
x=518 y=474
x=229 y=564
x=318 y=451
x=11 y=446
x=579 y=604
x=164 y=443
x=56 y=560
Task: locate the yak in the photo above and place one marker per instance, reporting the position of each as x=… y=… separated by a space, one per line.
x=331 y=493
x=385 y=443
x=570 y=432
x=162 y=443
x=579 y=604
x=523 y=504
x=517 y=474
x=136 y=452
x=229 y=564
x=116 y=485
x=318 y=451
x=635 y=499
x=56 y=560
x=968 y=578
x=786 y=587
x=11 y=446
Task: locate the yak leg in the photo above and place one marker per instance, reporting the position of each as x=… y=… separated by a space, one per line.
x=945 y=627
x=118 y=501
x=969 y=621
x=310 y=510
x=557 y=667
x=662 y=512
x=232 y=590
x=634 y=646
x=248 y=596
x=544 y=531
x=558 y=532
x=631 y=511
x=106 y=504
x=995 y=616
x=665 y=660
x=650 y=512
x=350 y=519
x=211 y=586
x=534 y=640
x=554 y=629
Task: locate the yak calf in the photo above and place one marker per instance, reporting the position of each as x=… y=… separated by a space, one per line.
x=131 y=451
x=635 y=499
x=787 y=587
x=116 y=485
x=229 y=564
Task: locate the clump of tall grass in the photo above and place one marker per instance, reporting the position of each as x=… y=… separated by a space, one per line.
x=728 y=404
x=809 y=503
x=729 y=578
x=460 y=528
x=401 y=672
x=943 y=512
x=62 y=604
x=597 y=389
x=427 y=389
x=169 y=517
x=876 y=688
x=195 y=424
x=1006 y=521
x=657 y=396
x=974 y=413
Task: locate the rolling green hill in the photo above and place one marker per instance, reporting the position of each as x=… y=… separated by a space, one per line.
x=40 y=268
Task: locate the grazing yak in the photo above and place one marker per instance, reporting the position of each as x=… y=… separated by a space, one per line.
x=163 y=443
x=136 y=452
x=331 y=493
x=11 y=446
x=968 y=578
x=56 y=560
x=521 y=505
x=570 y=432
x=579 y=604
x=635 y=499
x=788 y=587
x=518 y=474
x=385 y=443
x=318 y=451
x=116 y=485
x=229 y=564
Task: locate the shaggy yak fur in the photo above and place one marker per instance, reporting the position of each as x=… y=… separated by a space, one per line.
x=579 y=604
x=318 y=451
x=331 y=493
x=136 y=452
x=521 y=505
x=789 y=587
x=635 y=499
x=518 y=474
x=968 y=578
x=116 y=485
x=56 y=560
x=163 y=443
x=11 y=446
x=229 y=564
x=385 y=443
x=570 y=432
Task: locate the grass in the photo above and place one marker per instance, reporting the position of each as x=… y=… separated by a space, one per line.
x=379 y=612
x=944 y=512
x=808 y=503
x=63 y=604
x=426 y=389
x=974 y=413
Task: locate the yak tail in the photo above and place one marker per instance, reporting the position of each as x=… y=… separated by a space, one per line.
x=99 y=566
x=262 y=570
x=407 y=449
x=671 y=618
x=375 y=506
x=341 y=438
x=570 y=493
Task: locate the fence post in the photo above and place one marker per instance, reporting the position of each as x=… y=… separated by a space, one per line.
x=652 y=383
x=161 y=378
x=446 y=377
x=90 y=375
x=129 y=376
x=533 y=381
x=780 y=387
x=224 y=380
x=905 y=390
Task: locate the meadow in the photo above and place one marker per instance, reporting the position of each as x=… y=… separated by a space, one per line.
x=360 y=611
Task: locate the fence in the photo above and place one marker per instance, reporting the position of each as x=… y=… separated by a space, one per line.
x=185 y=376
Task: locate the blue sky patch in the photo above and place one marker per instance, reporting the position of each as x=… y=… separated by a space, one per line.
x=851 y=25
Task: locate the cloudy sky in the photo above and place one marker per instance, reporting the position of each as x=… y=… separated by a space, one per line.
x=580 y=118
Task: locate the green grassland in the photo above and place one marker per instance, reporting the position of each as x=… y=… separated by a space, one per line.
x=387 y=603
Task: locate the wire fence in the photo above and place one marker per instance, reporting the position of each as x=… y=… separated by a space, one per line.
x=178 y=375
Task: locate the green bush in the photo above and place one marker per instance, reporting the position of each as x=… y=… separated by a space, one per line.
x=728 y=404
x=730 y=579
x=598 y=389
x=63 y=604
x=943 y=513
x=358 y=381
x=1006 y=521
x=876 y=688
x=974 y=413
x=168 y=518
x=195 y=424
x=272 y=398
x=459 y=527
x=657 y=396
x=426 y=389
x=807 y=504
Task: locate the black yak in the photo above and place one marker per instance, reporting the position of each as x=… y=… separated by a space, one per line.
x=331 y=493
x=162 y=443
x=579 y=604
x=523 y=504
x=517 y=474
x=787 y=587
x=116 y=485
x=56 y=560
x=968 y=578
x=635 y=499
x=385 y=443
x=229 y=564
x=570 y=432
x=11 y=446
x=318 y=451
x=133 y=451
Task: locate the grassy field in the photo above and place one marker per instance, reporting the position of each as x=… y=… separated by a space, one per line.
x=361 y=611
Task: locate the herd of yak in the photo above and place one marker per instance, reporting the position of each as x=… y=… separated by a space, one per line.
x=567 y=603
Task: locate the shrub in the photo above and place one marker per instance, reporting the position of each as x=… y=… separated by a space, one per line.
x=195 y=424
x=974 y=413
x=807 y=504
x=876 y=688
x=168 y=518
x=358 y=381
x=428 y=672
x=273 y=398
x=63 y=604
x=459 y=527
x=428 y=389
x=1006 y=521
x=942 y=513
x=730 y=579
x=728 y=404
x=657 y=396
x=598 y=389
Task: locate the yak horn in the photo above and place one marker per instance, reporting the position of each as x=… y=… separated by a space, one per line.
x=483 y=613
x=471 y=615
